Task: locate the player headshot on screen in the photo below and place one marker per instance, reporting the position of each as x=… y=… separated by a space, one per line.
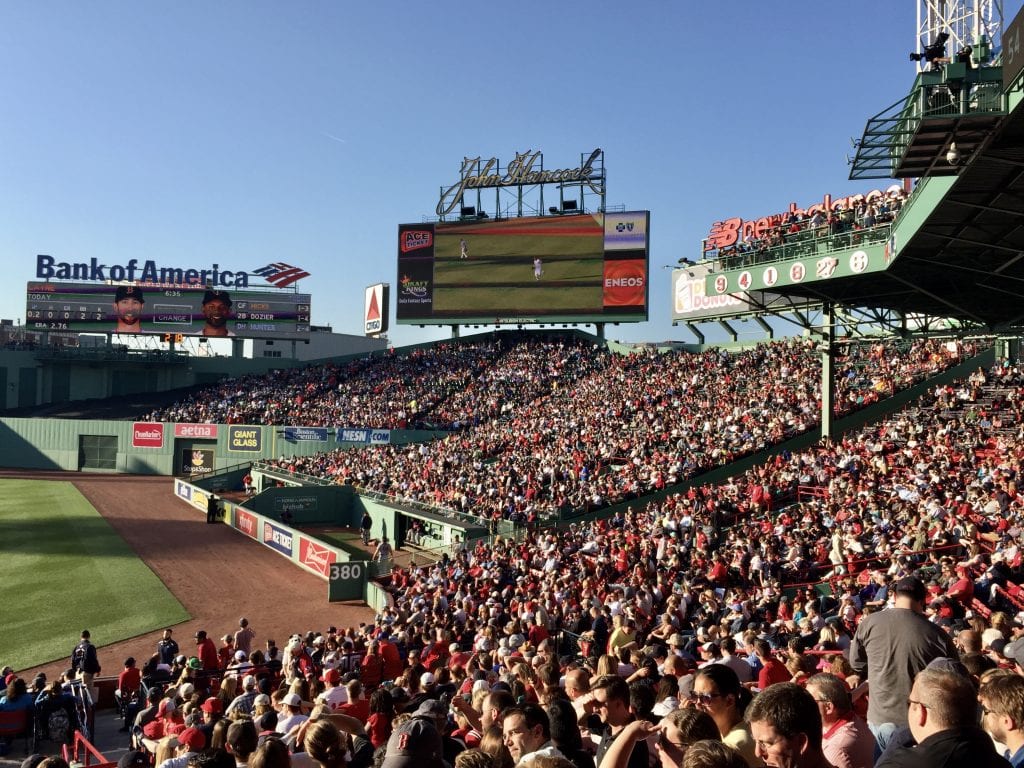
x=128 y=305
x=217 y=311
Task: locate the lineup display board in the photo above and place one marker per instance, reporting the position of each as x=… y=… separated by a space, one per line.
x=186 y=310
x=582 y=268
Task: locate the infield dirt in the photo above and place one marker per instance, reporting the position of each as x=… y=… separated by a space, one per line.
x=217 y=574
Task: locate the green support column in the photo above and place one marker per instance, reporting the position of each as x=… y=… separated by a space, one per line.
x=828 y=379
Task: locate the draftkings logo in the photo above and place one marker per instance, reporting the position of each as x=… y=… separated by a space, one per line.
x=417 y=288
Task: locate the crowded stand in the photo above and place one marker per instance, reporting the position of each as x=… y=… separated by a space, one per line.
x=716 y=626
x=630 y=425
x=447 y=386
x=859 y=222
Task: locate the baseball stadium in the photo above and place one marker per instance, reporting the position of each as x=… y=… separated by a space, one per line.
x=534 y=545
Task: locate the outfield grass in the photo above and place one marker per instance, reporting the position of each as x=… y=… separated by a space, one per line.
x=64 y=569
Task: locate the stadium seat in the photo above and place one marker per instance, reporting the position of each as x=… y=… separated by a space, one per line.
x=15 y=724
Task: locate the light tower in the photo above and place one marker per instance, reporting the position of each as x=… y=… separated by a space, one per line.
x=972 y=26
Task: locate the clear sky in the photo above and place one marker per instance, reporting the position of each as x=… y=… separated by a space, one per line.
x=243 y=133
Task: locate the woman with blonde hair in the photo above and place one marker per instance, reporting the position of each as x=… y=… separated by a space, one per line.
x=228 y=691
x=324 y=743
x=607 y=664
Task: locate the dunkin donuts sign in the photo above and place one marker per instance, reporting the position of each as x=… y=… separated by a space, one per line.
x=147 y=434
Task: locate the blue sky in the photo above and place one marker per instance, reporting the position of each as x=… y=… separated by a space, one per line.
x=305 y=132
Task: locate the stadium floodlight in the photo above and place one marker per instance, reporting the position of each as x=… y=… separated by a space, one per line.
x=570 y=205
x=468 y=210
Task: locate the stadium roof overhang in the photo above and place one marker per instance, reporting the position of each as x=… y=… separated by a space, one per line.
x=956 y=251
x=966 y=259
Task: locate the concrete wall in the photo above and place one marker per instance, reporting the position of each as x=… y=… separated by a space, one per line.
x=54 y=444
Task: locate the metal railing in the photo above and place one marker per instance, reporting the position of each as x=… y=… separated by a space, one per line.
x=817 y=242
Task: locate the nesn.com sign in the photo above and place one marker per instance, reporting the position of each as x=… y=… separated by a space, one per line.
x=363 y=436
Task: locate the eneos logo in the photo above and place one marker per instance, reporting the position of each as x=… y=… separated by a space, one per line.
x=625 y=283
x=415 y=239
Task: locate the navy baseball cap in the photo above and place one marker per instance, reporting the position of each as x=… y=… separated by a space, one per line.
x=221 y=296
x=128 y=292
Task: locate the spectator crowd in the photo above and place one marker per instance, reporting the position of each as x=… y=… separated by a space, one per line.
x=601 y=428
x=854 y=603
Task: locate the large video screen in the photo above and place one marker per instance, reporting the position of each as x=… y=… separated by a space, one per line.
x=582 y=268
x=189 y=311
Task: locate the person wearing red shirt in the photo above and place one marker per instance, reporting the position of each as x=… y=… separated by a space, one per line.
x=961 y=588
x=772 y=670
x=129 y=683
x=129 y=680
x=226 y=653
x=393 y=664
x=206 y=651
x=357 y=706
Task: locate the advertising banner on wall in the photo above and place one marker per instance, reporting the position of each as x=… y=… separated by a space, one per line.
x=204 y=431
x=300 y=434
x=197 y=461
x=315 y=556
x=147 y=434
x=245 y=438
x=277 y=538
x=245 y=522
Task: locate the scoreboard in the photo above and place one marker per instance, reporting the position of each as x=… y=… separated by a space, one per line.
x=167 y=310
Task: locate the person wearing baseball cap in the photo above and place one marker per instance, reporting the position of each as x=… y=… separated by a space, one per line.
x=217 y=311
x=188 y=742
x=129 y=302
x=416 y=743
x=889 y=649
x=212 y=710
x=335 y=694
x=290 y=713
x=246 y=700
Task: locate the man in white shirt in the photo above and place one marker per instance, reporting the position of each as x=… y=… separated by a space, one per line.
x=336 y=694
x=290 y=713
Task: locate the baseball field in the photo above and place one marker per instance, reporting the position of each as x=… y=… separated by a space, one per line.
x=491 y=267
x=122 y=556
x=64 y=567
